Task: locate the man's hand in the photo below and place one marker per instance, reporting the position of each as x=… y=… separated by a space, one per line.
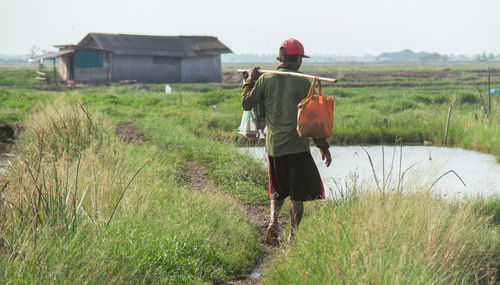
x=255 y=73
x=325 y=155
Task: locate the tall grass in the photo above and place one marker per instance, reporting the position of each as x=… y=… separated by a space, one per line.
x=391 y=238
x=78 y=208
x=41 y=188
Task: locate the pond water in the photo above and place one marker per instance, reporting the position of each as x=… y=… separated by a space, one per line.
x=476 y=173
x=4 y=160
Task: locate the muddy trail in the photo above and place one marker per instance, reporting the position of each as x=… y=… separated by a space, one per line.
x=258 y=214
x=128 y=133
x=198 y=179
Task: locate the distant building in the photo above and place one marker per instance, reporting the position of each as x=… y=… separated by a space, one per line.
x=101 y=58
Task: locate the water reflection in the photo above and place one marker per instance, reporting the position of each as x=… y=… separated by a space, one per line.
x=424 y=164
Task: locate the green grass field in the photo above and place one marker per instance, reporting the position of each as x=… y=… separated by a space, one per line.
x=81 y=206
x=162 y=230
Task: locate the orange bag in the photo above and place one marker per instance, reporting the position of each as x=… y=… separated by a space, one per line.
x=315 y=116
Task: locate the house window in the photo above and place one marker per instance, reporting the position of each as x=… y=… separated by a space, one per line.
x=88 y=58
x=163 y=60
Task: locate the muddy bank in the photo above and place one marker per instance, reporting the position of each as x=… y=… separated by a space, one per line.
x=8 y=134
x=128 y=133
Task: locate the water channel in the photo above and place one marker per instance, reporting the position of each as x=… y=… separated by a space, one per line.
x=4 y=161
x=424 y=164
x=480 y=172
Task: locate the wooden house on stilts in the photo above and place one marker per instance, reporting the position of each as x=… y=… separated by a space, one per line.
x=102 y=58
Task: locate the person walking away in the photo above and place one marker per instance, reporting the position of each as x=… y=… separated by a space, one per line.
x=292 y=171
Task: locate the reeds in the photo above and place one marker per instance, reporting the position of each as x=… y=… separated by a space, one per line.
x=89 y=212
x=44 y=184
x=410 y=238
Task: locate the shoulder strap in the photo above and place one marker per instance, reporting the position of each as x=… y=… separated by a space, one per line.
x=313 y=85
x=311 y=89
x=320 y=90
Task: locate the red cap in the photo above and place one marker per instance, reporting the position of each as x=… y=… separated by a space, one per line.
x=293 y=46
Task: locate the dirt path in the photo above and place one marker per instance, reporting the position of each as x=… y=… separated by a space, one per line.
x=259 y=214
x=128 y=133
x=198 y=179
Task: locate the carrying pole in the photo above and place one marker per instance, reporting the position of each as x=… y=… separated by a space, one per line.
x=332 y=80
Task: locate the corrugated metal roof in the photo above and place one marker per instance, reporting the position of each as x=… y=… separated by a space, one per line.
x=174 y=46
x=52 y=55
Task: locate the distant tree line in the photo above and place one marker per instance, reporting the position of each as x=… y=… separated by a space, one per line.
x=34 y=51
x=5 y=59
x=406 y=55
x=409 y=56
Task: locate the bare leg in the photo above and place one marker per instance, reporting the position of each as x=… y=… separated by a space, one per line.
x=296 y=212
x=272 y=231
x=275 y=210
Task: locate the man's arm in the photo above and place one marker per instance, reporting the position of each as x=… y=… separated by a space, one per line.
x=251 y=93
x=323 y=145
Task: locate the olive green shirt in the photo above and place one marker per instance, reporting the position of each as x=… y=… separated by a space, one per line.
x=280 y=95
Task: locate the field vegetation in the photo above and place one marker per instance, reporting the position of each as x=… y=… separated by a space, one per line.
x=74 y=209
x=405 y=237
x=79 y=205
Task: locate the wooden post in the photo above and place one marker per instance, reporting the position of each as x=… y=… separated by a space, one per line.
x=489 y=93
x=482 y=101
x=447 y=125
x=40 y=67
x=110 y=66
x=55 y=72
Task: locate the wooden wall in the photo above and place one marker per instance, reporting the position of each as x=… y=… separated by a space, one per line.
x=91 y=66
x=149 y=69
x=64 y=67
x=90 y=74
x=201 y=69
x=145 y=68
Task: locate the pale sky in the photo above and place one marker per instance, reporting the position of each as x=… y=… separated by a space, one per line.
x=347 y=27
